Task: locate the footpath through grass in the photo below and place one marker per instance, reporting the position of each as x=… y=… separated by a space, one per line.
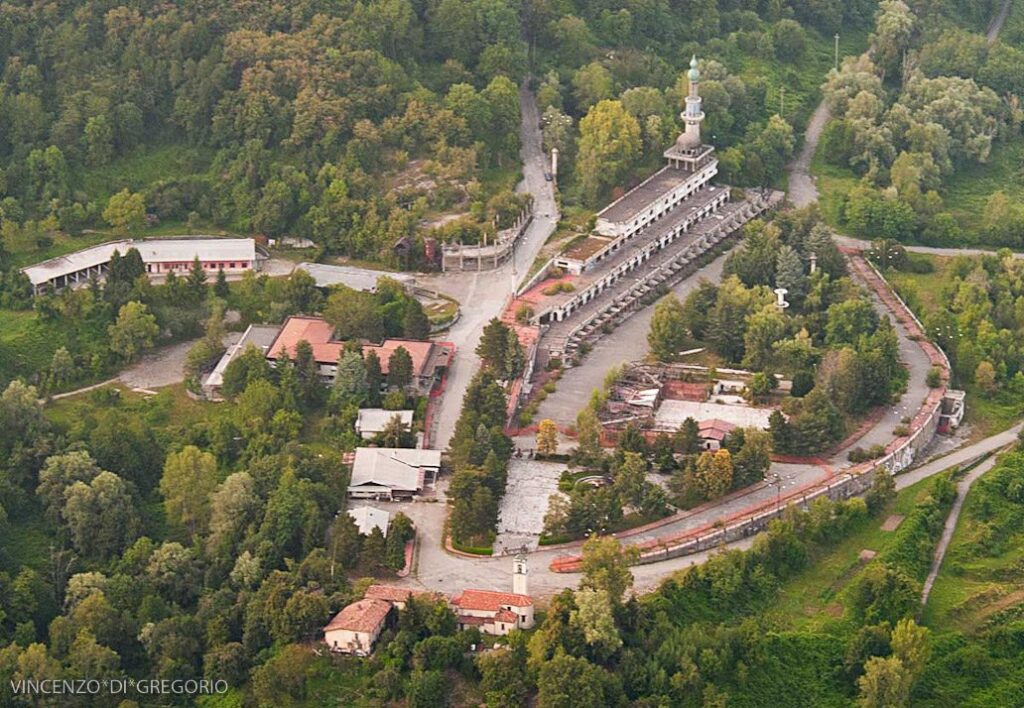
x=982 y=575
x=816 y=598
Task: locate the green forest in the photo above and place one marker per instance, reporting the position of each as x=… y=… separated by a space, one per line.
x=354 y=123
x=157 y=536
x=923 y=145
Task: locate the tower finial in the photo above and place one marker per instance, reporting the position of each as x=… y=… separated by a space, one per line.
x=694 y=73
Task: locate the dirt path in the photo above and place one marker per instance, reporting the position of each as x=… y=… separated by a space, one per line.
x=802 y=190
x=998 y=21
x=962 y=487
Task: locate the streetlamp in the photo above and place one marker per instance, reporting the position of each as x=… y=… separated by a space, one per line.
x=837 y=52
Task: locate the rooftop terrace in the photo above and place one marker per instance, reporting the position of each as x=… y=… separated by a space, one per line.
x=637 y=199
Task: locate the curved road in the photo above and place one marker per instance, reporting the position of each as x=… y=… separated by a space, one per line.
x=436 y=569
x=483 y=295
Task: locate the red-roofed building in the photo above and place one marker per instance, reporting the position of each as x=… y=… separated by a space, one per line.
x=493 y=612
x=356 y=628
x=429 y=360
x=398 y=596
x=713 y=432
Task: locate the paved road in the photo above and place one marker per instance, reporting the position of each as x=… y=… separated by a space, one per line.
x=959 y=457
x=962 y=487
x=435 y=569
x=484 y=295
x=628 y=342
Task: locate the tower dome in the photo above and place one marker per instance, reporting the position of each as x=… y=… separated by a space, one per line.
x=694 y=73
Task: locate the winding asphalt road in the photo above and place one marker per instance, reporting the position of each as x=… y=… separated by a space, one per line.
x=436 y=569
x=484 y=295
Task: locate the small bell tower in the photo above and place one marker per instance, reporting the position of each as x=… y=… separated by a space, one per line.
x=519 y=574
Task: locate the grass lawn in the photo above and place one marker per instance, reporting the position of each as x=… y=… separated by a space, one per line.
x=441 y=310
x=170 y=409
x=142 y=167
x=924 y=292
x=27 y=542
x=967 y=191
x=27 y=344
x=833 y=183
x=971 y=586
x=802 y=79
x=813 y=599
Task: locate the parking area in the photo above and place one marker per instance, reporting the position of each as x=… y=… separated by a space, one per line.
x=521 y=517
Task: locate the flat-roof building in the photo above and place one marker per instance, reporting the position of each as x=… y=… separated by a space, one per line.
x=373 y=421
x=160 y=256
x=258 y=336
x=368 y=518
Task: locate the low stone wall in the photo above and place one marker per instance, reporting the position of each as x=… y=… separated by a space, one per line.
x=486 y=257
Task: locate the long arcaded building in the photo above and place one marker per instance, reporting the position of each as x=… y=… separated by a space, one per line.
x=161 y=256
x=645 y=239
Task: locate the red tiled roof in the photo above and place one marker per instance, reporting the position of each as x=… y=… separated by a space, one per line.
x=715 y=429
x=426 y=356
x=362 y=616
x=314 y=330
x=490 y=601
x=389 y=593
x=419 y=352
x=507 y=616
x=473 y=621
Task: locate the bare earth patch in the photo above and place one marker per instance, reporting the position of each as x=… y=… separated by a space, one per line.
x=892 y=523
x=867 y=554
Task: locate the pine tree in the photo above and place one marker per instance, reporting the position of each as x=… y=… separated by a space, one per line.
x=220 y=287
x=779 y=429
x=374 y=553
x=514 y=356
x=197 y=280
x=308 y=373
x=415 y=324
x=687 y=438
x=400 y=368
x=493 y=348
x=789 y=274
x=374 y=378
x=351 y=380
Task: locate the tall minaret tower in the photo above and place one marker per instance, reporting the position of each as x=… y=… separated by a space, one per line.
x=688 y=152
x=693 y=114
x=519 y=574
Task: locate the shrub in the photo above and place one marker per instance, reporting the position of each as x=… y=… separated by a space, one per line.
x=934 y=377
x=561 y=287
x=901 y=431
x=859 y=454
x=523 y=313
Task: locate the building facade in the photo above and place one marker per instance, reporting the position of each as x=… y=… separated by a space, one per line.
x=356 y=628
x=160 y=256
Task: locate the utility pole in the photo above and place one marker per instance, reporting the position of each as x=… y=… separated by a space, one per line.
x=782 y=102
x=837 y=52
